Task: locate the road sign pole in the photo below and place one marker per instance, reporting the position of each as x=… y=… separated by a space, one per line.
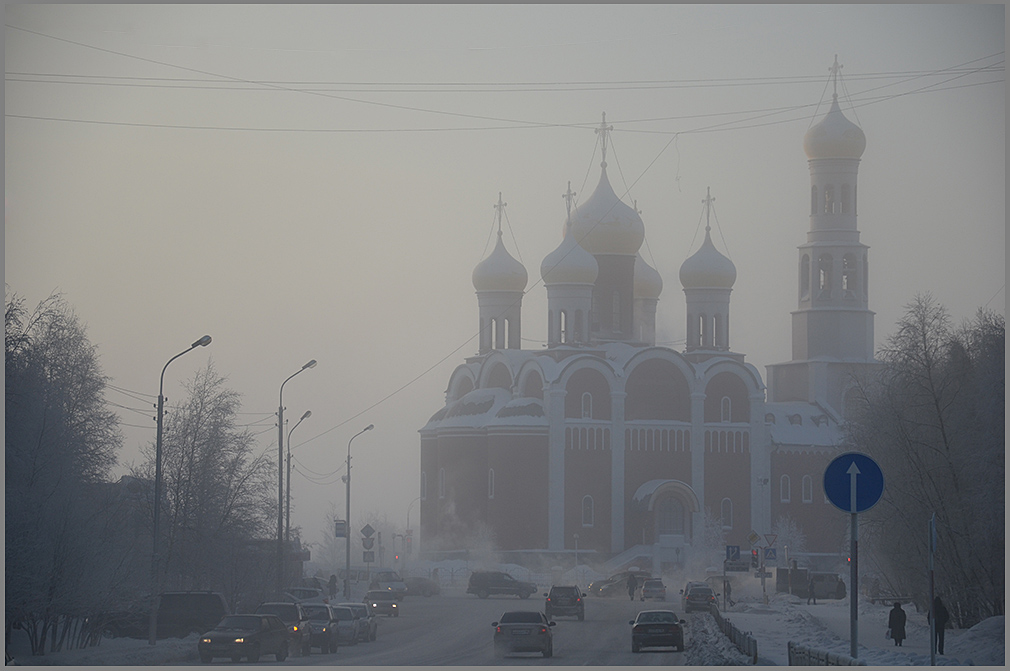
x=854 y=589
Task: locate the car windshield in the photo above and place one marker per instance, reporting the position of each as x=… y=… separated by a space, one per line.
x=656 y=616
x=288 y=613
x=564 y=591
x=701 y=591
x=243 y=622
x=343 y=614
x=520 y=616
x=653 y=583
x=380 y=595
x=317 y=612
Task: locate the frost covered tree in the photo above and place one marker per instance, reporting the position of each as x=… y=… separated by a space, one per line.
x=218 y=494
x=60 y=444
x=934 y=419
x=789 y=535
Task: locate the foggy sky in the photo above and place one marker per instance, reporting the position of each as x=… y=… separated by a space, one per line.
x=326 y=188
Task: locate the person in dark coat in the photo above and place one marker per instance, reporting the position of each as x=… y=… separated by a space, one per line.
x=632 y=586
x=811 y=597
x=940 y=617
x=332 y=585
x=896 y=623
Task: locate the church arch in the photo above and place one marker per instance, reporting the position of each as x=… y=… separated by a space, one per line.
x=657 y=389
x=587 y=381
x=531 y=383
x=499 y=376
x=724 y=389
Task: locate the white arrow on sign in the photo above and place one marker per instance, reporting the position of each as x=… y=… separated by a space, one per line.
x=853 y=472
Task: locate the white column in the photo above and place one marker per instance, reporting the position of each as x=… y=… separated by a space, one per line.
x=555 y=401
x=617 y=471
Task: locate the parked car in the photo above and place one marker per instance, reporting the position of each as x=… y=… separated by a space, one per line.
x=653 y=588
x=389 y=580
x=699 y=597
x=485 y=583
x=183 y=613
x=615 y=585
x=324 y=633
x=421 y=586
x=297 y=621
x=523 y=631
x=349 y=626
x=308 y=595
x=655 y=628
x=249 y=636
x=827 y=585
x=369 y=623
x=564 y=600
x=382 y=602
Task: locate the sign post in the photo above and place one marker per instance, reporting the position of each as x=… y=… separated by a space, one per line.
x=853 y=482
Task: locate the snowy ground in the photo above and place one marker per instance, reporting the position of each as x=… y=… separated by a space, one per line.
x=824 y=626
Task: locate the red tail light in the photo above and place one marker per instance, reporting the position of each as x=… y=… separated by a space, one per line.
x=497 y=630
x=578 y=599
x=548 y=598
x=543 y=630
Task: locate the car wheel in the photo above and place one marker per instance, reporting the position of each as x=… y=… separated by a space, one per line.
x=236 y=659
x=635 y=647
x=549 y=652
x=283 y=654
x=582 y=616
x=254 y=656
x=207 y=659
x=482 y=594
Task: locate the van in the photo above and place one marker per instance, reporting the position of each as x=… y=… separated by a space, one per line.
x=183 y=613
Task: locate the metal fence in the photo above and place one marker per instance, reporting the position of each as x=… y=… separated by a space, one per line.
x=743 y=641
x=801 y=655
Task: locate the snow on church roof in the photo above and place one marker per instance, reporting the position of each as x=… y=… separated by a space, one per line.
x=801 y=425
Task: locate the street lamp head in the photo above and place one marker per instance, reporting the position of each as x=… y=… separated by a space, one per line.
x=369 y=427
x=308 y=413
x=202 y=342
x=311 y=364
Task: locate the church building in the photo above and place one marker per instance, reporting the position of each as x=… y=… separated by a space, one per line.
x=604 y=441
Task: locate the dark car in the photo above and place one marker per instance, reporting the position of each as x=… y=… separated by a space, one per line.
x=369 y=625
x=324 y=631
x=615 y=585
x=523 y=631
x=297 y=621
x=382 y=602
x=699 y=597
x=183 y=613
x=565 y=600
x=249 y=636
x=485 y=583
x=828 y=585
x=421 y=586
x=657 y=628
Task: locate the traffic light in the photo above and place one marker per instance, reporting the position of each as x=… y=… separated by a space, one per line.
x=408 y=546
x=754 y=558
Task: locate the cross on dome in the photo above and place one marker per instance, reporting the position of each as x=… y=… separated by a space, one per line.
x=500 y=207
x=835 y=70
x=708 y=200
x=604 y=130
x=569 y=196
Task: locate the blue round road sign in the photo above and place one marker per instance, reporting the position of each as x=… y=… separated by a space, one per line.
x=853 y=472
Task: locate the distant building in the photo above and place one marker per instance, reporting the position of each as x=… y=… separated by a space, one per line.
x=625 y=443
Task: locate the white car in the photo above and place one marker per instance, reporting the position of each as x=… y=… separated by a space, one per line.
x=308 y=595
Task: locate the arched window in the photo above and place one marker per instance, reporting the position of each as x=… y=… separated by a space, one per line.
x=824 y=275
x=490 y=483
x=727 y=514
x=804 y=277
x=829 y=199
x=846 y=189
x=564 y=327
x=670 y=516
x=588 y=512
x=726 y=409
x=849 y=271
x=587 y=405
x=784 y=489
x=808 y=489
x=441 y=483
x=424 y=485
x=813 y=199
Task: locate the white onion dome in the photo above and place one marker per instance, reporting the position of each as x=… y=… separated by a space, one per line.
x=499 y=271
x=648 y=282
x=606 y=225
x=834 y=136
x=707 y=268
x=569 y=263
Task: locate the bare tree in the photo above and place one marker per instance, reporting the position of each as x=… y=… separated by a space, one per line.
x=934 y=420
x=61 y=442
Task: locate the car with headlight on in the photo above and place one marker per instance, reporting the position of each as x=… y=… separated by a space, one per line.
x=382 y=602
x=324 y=630
x=657 y=628
x=564 y=600
x=297 y=621
x=523 y=631
x=369 y=626
x=249 y=636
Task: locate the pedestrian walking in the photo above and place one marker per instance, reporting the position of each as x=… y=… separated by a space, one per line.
x=811 y=597
x=939 y=618
x=332 y=586
x=729 y=592
x=896 y=623
x=632 y=586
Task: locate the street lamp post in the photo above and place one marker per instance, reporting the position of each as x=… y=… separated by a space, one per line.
x=153 y=621
x=287 y=505
x=347 y=479
x=280 y=478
